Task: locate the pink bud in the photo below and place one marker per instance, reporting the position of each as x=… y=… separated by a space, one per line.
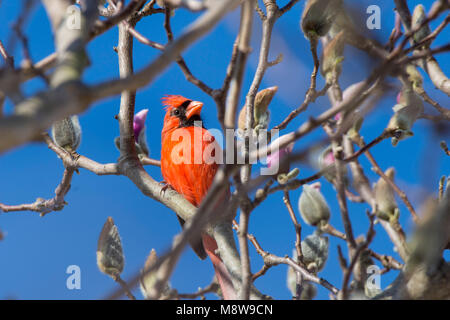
x=328 y=158
x=399 y=97
x=316 y=185
x=139 y=123
x=277 y=156
x=338 y=116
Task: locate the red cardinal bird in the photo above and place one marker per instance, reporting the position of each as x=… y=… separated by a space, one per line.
x=188 y=166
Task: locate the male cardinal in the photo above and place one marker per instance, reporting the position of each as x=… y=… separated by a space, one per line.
x=188 y=166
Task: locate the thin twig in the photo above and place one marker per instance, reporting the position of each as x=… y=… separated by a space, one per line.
x=297 y=226
x=43 y=206
x=301 y=108
x=213 y=287
x=387 y=261
x=384 y=135
x=125 y=287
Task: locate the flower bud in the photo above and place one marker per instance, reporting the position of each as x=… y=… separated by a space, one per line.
x=140 y=129
x=110 y=259
x=315 y=251
x=313 y=206
x=308 y=290
x=171 y=4
x=326 y=162
x=275 y=159
x=140 y=136
x=414 y=76
x=66 y=133
x=149 y=279
x=384 y=198
x=418 y=17
x=260 y=110
x=284 y=178
x=357 y=121
x=332 y=58
x=409 y=108
x=318 y=17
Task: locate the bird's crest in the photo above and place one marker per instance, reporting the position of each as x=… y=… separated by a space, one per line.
x=172 y=101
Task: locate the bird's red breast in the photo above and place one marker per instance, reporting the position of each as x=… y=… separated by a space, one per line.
x=188 y=161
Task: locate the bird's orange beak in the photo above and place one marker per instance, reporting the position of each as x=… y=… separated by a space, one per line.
x=194 y=108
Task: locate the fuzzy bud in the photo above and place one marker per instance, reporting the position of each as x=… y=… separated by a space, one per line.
x=318 y=17
x=408 y=109
x=260 y=110
x=357 y=121
x=308 y=290
x=66 y=133
x=418 y=17
x=168 y=3
x=275 y=159
x=315 y=251
x=312 y=206
x=326 y=162
x=333 y=55
x=284 y=178
x=110 y=259
x=149 y=279
x=384 y=198
x=414 y=76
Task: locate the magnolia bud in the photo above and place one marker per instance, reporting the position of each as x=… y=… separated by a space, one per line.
x=275 y=159
x=149 y=279
x=418 y=17
x=140 y=129
x=168 y=3
x=315 y=251
x=313 y=206
x=140 y=136
x=291 y=278
x=408 y=109
x=308 y=290
x=342 y=22
x=357 y=121
x=332 y=58
x=284 y=178
x=260 y=109
x=327 y=163
x=384 y=198
x=414 y=76
x=110 y=259
x=318 y=16
x=66 y=133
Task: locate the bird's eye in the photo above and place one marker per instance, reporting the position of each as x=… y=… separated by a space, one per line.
x=176 y=112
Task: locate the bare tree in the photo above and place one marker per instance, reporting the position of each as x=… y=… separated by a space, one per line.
x=328 y=26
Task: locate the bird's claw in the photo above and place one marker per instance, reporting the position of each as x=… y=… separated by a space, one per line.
x=164 y=188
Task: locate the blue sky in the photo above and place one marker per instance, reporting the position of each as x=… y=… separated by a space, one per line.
x=36 y=251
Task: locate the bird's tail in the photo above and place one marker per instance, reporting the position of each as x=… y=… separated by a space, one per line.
x=222 y=274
